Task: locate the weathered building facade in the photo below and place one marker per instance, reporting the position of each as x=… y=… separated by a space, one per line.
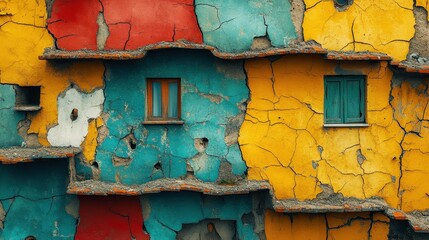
x=204 y=119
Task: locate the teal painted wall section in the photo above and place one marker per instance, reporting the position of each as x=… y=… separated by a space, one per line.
x=231 y=25
x=167 y=212
x=9 y=118
x=214 y=93
x=34 y=198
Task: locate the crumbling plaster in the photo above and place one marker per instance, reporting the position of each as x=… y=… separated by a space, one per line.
x=361 y=27
x=24 y=37
x=213 y=105
x=283 y=139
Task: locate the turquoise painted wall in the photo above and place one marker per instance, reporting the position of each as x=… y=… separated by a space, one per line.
x=167 y=212
x=214 y=93
x=34 y=198
x=9 y=118
x=231 y=25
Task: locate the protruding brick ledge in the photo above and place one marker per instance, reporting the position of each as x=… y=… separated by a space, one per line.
x=13 y=155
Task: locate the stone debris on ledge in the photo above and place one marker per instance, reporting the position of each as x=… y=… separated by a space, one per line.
x=412 y=67
x=418 y=220
x=329 y=205
x=93 y=187
x=13 y=155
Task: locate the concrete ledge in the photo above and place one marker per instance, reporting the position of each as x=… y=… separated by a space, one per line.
x=92 y=187
x=330 y=205
x=412 y=67
x=297 y=48
x=15 y=155
x=51 y=53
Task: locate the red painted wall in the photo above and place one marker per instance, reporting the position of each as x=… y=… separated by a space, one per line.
x=132 y=24
x=112 y=217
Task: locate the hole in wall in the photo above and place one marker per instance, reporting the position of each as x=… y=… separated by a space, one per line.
x=132 y=143
x=342 y=4
x=201 y=144
x=74 y=114
x=158 y=166
x=30 y=238
x=27 y=98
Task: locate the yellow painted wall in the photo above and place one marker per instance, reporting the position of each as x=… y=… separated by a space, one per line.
x=23 y=38
x=283 y=139
x=381 y=26
x=330 y=226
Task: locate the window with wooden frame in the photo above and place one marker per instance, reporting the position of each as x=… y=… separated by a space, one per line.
x=163 y=101
x=345 y=101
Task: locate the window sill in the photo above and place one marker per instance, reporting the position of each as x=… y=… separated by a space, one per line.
x=27 y=108
x=345 y=125
x=163 y=122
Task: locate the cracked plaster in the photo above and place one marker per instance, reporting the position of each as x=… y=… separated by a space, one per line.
x=360 y=27
x=36 y=202
x=212 y=100
x=284 y=127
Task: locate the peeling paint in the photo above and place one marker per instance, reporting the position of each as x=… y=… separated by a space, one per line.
x=71 y=132
x=156 y=153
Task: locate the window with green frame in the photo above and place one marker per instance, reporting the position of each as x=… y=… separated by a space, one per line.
x=345 y=98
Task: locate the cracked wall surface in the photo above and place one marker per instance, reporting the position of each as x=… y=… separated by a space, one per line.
x=24 y=37
x=112 y=25
x=360 y=27
x=129 y=26
x=165 y=214
x=331 y=226
x=283 y=139
x=212 y=107
x=114 y=217
x=234 y=30
x=36 y=203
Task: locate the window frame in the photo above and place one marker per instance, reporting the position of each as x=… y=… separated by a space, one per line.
x=165 y=96
x=343 y=121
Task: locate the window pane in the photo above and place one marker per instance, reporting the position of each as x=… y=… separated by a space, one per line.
x=156 y=99
x=172 y=100
x=333 y=101
x=354 y=96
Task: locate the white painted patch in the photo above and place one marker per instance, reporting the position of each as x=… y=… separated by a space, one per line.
x=72 y=133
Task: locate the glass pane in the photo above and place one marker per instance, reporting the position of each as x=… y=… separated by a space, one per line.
x=156 y=99
x=172 y=100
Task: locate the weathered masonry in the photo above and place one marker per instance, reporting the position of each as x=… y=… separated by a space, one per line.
x=203 y=119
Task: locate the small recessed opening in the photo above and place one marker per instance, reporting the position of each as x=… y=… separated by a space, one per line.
x=95 y=164
x=30 y=238
x=158 y=166
x=74 y=114
x=27 y=98
x=132 y=143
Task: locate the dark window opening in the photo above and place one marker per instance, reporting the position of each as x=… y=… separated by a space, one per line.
x=27 y=98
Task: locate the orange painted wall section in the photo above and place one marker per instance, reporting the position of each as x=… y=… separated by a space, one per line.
x=130 y=26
